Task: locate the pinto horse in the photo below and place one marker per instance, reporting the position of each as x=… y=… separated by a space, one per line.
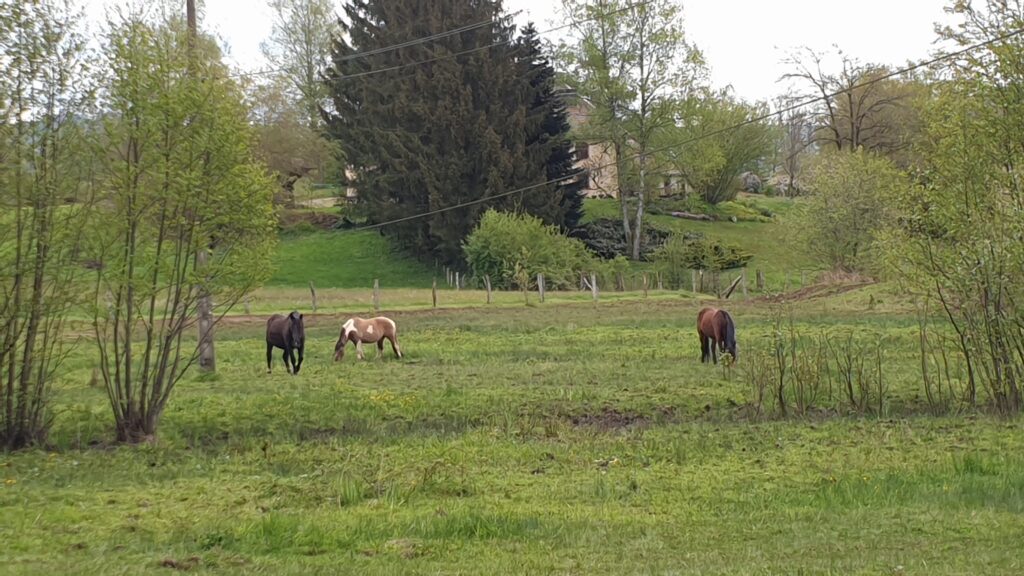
x=716 y=330
x=361 y=330
x=288 y=334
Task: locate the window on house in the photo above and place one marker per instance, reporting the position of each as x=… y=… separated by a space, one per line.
x=582 y=150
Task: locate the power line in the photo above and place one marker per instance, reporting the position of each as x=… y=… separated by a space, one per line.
x=386 y=49
x=415 y=42
x=703 y=136
x=423 y=40
x=494 y=44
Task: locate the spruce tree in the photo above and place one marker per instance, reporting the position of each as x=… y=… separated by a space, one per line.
x=564 y=201
x=437 y=124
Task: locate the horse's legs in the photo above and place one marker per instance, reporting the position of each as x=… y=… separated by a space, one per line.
x=380 y=348
x=285 y=357
x=300 y=358
x=270 y=355
x=394 y=346
x=703 y=348
x=359 y=349
x=714 y=353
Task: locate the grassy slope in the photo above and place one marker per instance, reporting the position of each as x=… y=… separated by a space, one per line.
x=345 y=260
x=549 y=439
x=775 y=251
x=351 y=260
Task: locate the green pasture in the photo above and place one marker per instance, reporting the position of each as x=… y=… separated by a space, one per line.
x=352 y=260
x=343 y=259
x=558 y=438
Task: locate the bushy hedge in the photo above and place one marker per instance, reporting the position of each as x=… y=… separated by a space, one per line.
x=513 y=248
x=682 y=253
x=604 y=237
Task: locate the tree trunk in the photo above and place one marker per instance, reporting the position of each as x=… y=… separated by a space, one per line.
x=639 y=225
x=622 y=195
x=207 y=355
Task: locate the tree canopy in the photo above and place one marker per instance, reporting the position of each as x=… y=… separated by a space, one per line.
x=453 y=121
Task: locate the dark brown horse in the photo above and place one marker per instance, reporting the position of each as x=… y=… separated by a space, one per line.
x=716 y=330
x=288 y=334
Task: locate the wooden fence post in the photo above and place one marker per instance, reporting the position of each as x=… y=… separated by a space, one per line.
x=593 y=285
x=731 y=289
x=645 y=284
x=247 y=304
x=660 y=285
x=760 y=280
x=487 y=284
x=693 y=281
x=457 y=281
x=433 y=292
x=620 y=283
x=312 y=290
x=540 y=286
x=744 y=283
x=376 y=295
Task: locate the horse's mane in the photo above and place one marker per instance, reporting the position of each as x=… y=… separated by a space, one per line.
x=730 y=329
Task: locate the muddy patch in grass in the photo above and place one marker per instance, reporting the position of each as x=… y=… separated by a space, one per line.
x=609 y=419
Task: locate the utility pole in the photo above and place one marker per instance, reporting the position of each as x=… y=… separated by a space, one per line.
x=207 y=356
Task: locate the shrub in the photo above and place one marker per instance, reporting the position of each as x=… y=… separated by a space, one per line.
x=604 y=237
x=513 y=248
x=849 y=206
x=682 y=253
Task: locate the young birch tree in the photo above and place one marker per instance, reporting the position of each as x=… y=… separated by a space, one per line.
x=632 y=61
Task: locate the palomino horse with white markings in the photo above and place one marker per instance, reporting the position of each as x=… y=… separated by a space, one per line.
x=371 y=330
x=716 y=331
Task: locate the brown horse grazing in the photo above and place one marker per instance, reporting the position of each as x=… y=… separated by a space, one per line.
x=715 y=329
x=360 y=330
x=288 y=334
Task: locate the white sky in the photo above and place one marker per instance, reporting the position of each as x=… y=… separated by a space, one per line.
x=744 y=41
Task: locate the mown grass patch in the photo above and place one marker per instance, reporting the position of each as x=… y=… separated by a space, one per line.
x=341 y=259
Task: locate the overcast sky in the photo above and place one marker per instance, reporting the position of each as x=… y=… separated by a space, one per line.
x=744 y=41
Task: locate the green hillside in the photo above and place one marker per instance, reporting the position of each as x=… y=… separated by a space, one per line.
x=339 y=259
x=772 y=243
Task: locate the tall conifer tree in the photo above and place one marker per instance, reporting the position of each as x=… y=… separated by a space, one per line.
x=463 y=117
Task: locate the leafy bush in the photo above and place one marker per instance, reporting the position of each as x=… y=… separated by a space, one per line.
x=849 y=206
x=604 y=237
x=513 y=248
x=682 y=253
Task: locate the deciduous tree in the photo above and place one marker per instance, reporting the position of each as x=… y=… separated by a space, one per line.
x=180 y=179
x=44 y=191
x=632 y=61
x=298 y=47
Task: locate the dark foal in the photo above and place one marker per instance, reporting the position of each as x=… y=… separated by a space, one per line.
x=717 y=332
x=288 y=334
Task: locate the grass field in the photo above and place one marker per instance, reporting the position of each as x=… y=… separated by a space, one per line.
x=564 y=438
x=345 y=260
x=351 y=260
